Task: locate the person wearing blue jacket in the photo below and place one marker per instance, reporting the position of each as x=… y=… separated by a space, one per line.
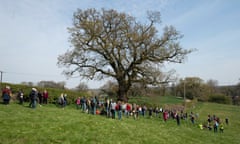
x=33 y=98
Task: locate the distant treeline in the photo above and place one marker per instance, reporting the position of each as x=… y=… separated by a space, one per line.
x=190 y=88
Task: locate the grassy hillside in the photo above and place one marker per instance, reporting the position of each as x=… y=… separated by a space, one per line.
x=54 y=93
x=156 y=100
x=49 y=124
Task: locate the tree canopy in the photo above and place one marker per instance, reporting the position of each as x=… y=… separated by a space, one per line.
x=107 y=43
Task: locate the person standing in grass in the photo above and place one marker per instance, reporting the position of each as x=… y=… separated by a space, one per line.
x=45 y=97
x=119 y=110
x=128 y=109
x=221 y=128
x=215 y=126
x=139 y=109
x=84 y=105
x=201 y=126
x=156 y=110
x=65 y=99
x=209 y=118
x=81 y=104
x=93 y=105
x=192 y=118
x=88 y=103
x=20 y=97
x=165 y=115
x=150 y=111
x=134 y=110
x=209 y=126
x=113 y=108
x=144 y=109
x=78 y=103
x=6 y=95
x=107 y=107
x=40 y=98
x=226 y=121
x=33 y=98
x=62 y=101
x=177 y=118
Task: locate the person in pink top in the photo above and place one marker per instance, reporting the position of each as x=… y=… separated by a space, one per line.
x=45 y=97
x=78 y=103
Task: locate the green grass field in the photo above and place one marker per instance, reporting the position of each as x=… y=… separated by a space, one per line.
x=50 y=124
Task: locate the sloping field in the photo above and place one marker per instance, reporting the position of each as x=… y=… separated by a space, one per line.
x=50 y=124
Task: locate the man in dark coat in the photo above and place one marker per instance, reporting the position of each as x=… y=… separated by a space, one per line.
x=33 y=98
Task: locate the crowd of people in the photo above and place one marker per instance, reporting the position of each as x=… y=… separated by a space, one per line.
x=214 y=122
x=88 y=105
x=117 y=109
x=34 y=97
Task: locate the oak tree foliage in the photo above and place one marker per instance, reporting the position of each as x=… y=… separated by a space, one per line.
x=107 y=43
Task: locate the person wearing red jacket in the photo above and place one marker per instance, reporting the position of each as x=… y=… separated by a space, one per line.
x=165 y=115
x=45 y=97
x=6 y=95
x=128 y=109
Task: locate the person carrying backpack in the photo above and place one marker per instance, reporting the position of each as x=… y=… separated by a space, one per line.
x=6 y=95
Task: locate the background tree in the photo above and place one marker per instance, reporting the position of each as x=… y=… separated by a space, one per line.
x=237 y=89
x=107 y=43
x=109 y=88
x=138 y=89
x=27 y=83
x=235 y=97
x=52 y=84
x=82 y=87
x=193 y=87
x=173 y=89
x=212 y=85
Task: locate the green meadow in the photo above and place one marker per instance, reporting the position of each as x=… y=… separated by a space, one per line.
x=50 y=124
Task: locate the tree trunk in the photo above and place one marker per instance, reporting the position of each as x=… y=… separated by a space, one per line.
x=122 y=92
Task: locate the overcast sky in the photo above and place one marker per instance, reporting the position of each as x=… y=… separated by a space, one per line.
x=34 y=32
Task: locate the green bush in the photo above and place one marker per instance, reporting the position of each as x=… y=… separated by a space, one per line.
x=219 y=98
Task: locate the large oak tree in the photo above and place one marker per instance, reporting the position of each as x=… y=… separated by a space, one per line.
x=107 y=43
